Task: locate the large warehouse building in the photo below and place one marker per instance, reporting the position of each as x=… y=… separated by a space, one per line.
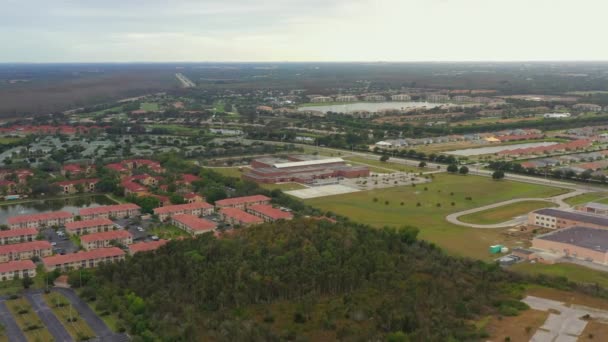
x=558 y=219
x=585 y=243
x=302 y=169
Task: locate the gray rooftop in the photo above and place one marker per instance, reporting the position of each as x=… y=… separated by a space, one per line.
x=574 y=216
x=590 y=238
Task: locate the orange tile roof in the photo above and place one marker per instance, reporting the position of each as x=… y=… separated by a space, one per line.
x=108 y=208
x=146 y=246
x=80 y=256
x=39 y=217
x=268 y=210
x=179 y=207
x=88 y=223
x=240 y=215
x=195 y=223
x=17 y=265
x=24 y=247
x=244 y=199
x=18 y=232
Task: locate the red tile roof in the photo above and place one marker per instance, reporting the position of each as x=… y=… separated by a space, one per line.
x=73 y=168
x=133 y=187
x=39 y=217
x=110 y=235
x=88 y=223
x=195 y=223
x=6 y=183
x=268 y=210
x=240 y=215
x=192 y=195
x=239 y=200
x=117 y=167
x=108 y=208
x=18 y=232
x=24 y=247
x=146 y=246
x=80 y=256
x=78 y=181
x=179 y=207
x=17 y=265
x=189 y=178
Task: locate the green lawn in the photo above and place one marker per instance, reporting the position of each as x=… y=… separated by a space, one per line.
x=149 y=106
x=505 y=213
x=384 y=167
x=283 y=186
x=430 y=219
x=5 y=140
x=28 y=320
x=575 y=273
x=229 y=171
x=77 y=328
x=168 y=232
x=588 y=197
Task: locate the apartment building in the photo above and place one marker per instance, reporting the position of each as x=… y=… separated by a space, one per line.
x=242 y=202
x=95 y=225
x=18 y=235
x=87 y=259
x=111 y=211
x=195 y=208
x=24 y=251
x=77 y=185
x=235 y=216
x=106 y=239
x=401 y=97
x=146 y=246
x=193 y=225
x=56 y=218
x=268 y=213
x=17 y=269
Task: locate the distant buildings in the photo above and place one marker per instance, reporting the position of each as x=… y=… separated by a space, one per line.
x=95 y=225
x=321 y=99
x=437 y=98
x=375 y=98
x=587 y=107
x=347 y=98
x=77 y=185
x=556 y=115
x=401 y=97
x=242 y=202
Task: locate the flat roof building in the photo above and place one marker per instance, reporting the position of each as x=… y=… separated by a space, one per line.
x=594 y=208
x=105 y=239
x=88 y=259
x=193 y=225
x=558 y=219
x=590 y=244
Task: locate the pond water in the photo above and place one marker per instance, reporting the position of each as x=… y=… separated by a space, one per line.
x=43 y=206
x=495 y=149
x=369 y=106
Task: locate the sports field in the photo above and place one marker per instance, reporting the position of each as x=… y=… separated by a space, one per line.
x=505 y=213
x=384 y=207
x=377 y=166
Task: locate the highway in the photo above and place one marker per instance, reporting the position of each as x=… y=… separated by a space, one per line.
x=186 y=83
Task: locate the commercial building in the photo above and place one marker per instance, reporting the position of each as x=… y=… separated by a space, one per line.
x=26 y=250
x=88 y=259
x=195 y=208
x=193 y=225
x=146 y=246
x=18 y=235
x=268 y=213
x=558 y=219
x=110 y=211
x=56 y=218
x=235 y=216
x=242 y=202
x=594 y=208
x=17 y=269
x=95 y=225
x=106 y=239
x=590 y=244
x=302 y=169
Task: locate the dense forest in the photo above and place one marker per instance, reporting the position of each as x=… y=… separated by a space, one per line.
x=305 y=280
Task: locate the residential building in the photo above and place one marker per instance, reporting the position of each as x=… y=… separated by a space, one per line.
x=106 y=239
x=584 y=243
x=559 y=219
x=26 y=250
x=8 y=187
x=55 y=218
x=319 y=99
x=111 y=211
x=437 y=98
x=346 y=98
x=77 y=185
x=196 y=209
x=146 y=246
x=193 y=225
x=76 y=170
x=375 y=98
x=401 y=97
x=587 y=107
x=18 y=235
x=235 y=216
x=268 y=213
x=88 y=259
x=95 y=225
x=17 y=269
x=242 y=202
x=193 y=198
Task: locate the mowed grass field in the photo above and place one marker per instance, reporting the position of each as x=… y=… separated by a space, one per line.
x=429 y=217
x=575 y=273
x=505 y=213
x=588 y=197
x=283 y=186
x=383 y=167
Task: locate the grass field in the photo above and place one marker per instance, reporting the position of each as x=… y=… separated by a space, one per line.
x=78 y=329
x=149 y=106
x=28 y=320
x=430 y=218
x=5 y=140
x=573 y=272
x=588 y=197
x=505 y=213
x=384 y=167
x=283 y=186
x=168 y=232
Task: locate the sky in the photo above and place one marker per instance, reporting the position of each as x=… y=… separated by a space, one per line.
x=302 y=30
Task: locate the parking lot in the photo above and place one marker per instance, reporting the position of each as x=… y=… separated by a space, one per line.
x=60 y=240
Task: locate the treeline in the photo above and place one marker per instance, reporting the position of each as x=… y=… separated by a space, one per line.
x=342 y=281
x=585 y=176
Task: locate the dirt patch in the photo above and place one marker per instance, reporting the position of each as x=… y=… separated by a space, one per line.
x=518 y=328
x=568 y=298
x=594 y=331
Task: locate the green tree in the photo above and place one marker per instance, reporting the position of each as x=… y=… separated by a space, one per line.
x=498 y=174
x=27 y=282
x=452 y=168
x=463 y=170
x=384 y=158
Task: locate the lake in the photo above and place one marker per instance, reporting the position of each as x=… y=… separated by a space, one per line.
x=369 y=106
x=43 y=206
x=495 y=149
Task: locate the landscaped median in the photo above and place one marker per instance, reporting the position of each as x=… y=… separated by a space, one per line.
x=68 y=316
x=28 y=320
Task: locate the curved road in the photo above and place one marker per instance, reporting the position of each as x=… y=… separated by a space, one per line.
x=559 y=200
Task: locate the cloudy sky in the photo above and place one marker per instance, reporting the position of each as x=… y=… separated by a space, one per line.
x=302 y=30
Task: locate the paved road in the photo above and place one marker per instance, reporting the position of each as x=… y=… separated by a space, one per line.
x=100 y=328
x=11 y=329
x=48 y=317
x=559 y=200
